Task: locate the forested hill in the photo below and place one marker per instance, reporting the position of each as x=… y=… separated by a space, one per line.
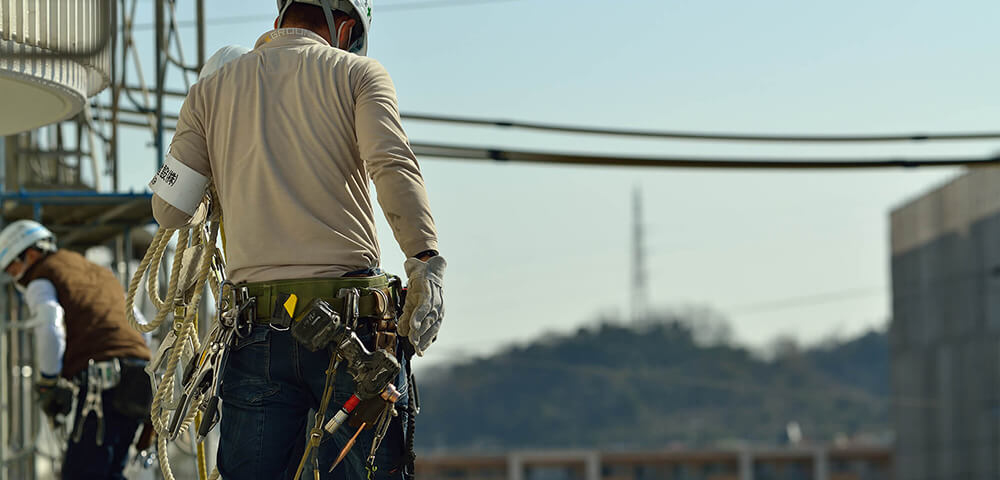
x=618 y=387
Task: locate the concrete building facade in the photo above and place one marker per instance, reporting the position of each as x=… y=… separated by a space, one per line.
x=944 y=338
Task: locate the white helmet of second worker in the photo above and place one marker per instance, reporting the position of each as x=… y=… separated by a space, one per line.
x=21 y=235
x=218 y=59
x=359 y=10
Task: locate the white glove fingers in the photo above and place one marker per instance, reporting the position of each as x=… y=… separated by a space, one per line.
x=418 y=322
x=424 y=308
x=429 y=336
x=413 y=300
x=403 y=327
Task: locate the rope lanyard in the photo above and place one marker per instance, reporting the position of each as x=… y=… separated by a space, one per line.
x=316 y=434
x=196 y=249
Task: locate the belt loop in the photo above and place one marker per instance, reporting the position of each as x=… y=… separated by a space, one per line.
x=281 y=313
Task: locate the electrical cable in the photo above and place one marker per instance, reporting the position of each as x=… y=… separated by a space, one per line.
x=456 y=152
x=679 y=135
x=900 y=288
x=480 y=153
x=806 y=301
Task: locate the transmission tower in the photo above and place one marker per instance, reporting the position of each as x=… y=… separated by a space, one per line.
x=639 y=293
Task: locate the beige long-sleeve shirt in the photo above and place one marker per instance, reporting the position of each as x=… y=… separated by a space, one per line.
x=290 y=134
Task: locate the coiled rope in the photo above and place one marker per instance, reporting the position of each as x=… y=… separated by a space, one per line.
x=196 y=246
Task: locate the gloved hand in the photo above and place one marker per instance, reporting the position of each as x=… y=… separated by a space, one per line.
x=55 y=395
x=424 y=307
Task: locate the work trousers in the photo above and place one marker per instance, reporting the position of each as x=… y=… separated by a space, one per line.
x=270 y=386
x=85 y=459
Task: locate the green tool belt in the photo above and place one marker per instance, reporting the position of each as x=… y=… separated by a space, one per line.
x=377 y=301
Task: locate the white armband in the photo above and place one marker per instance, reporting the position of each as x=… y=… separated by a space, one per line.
x=179 y=185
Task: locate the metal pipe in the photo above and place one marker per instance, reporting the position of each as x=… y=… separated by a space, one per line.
x=31 y=411
x=92 y=138
x=21 y=326
x=5 y=385
x=133 y=123
x=127 y=236
x=102 y=220
x=166 y=116
x=120 y=260
x=14 y=406
x=200 y=12
x=166 y=91
x=77 y=174
x=55 y=194
x=58 y=153
x=160 y=79
x=112 y=155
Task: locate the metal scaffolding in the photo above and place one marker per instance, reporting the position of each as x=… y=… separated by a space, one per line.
x=67 y=176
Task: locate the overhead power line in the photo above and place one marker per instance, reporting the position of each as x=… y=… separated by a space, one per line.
x=808 y=300
x=503 y=155
x=460 y=152
x=679 y=135
x=477 y=153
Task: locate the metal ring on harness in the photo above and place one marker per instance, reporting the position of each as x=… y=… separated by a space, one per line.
x=233 y=297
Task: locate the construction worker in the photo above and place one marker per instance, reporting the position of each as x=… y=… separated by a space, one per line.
x=84 y=345
x=290 y=135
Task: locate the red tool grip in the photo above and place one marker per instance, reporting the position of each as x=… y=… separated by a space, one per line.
x=351 y=403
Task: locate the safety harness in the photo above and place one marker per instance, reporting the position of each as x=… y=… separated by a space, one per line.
x=100 y=376
x=191 y=397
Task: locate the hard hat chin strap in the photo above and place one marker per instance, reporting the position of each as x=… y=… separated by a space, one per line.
x=330 y=23
x=281 y=13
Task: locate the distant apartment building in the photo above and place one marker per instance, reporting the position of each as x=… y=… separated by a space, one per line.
x=944 y=338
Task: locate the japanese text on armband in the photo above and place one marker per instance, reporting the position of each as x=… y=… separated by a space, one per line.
x=165 y=174
x=179 y=185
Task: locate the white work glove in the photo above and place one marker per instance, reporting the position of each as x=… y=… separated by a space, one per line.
x=424 y=307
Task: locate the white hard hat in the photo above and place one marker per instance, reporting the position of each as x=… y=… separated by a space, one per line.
x=218 y=59
x=360 y=10
x=18 y=236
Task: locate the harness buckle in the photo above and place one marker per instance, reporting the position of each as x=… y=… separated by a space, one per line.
x=237 y=309
x=381 y=301
x=351 y=314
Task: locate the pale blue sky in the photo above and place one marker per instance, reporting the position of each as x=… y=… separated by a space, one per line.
x=534 y=249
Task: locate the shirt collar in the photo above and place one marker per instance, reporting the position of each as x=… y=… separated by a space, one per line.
x=289 y=33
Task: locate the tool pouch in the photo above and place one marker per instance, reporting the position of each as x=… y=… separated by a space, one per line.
x=371 y=371
x=317 y=325
x=133 y=395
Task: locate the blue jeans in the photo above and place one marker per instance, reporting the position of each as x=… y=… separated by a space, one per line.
x=86 y=460
x=269 y=386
